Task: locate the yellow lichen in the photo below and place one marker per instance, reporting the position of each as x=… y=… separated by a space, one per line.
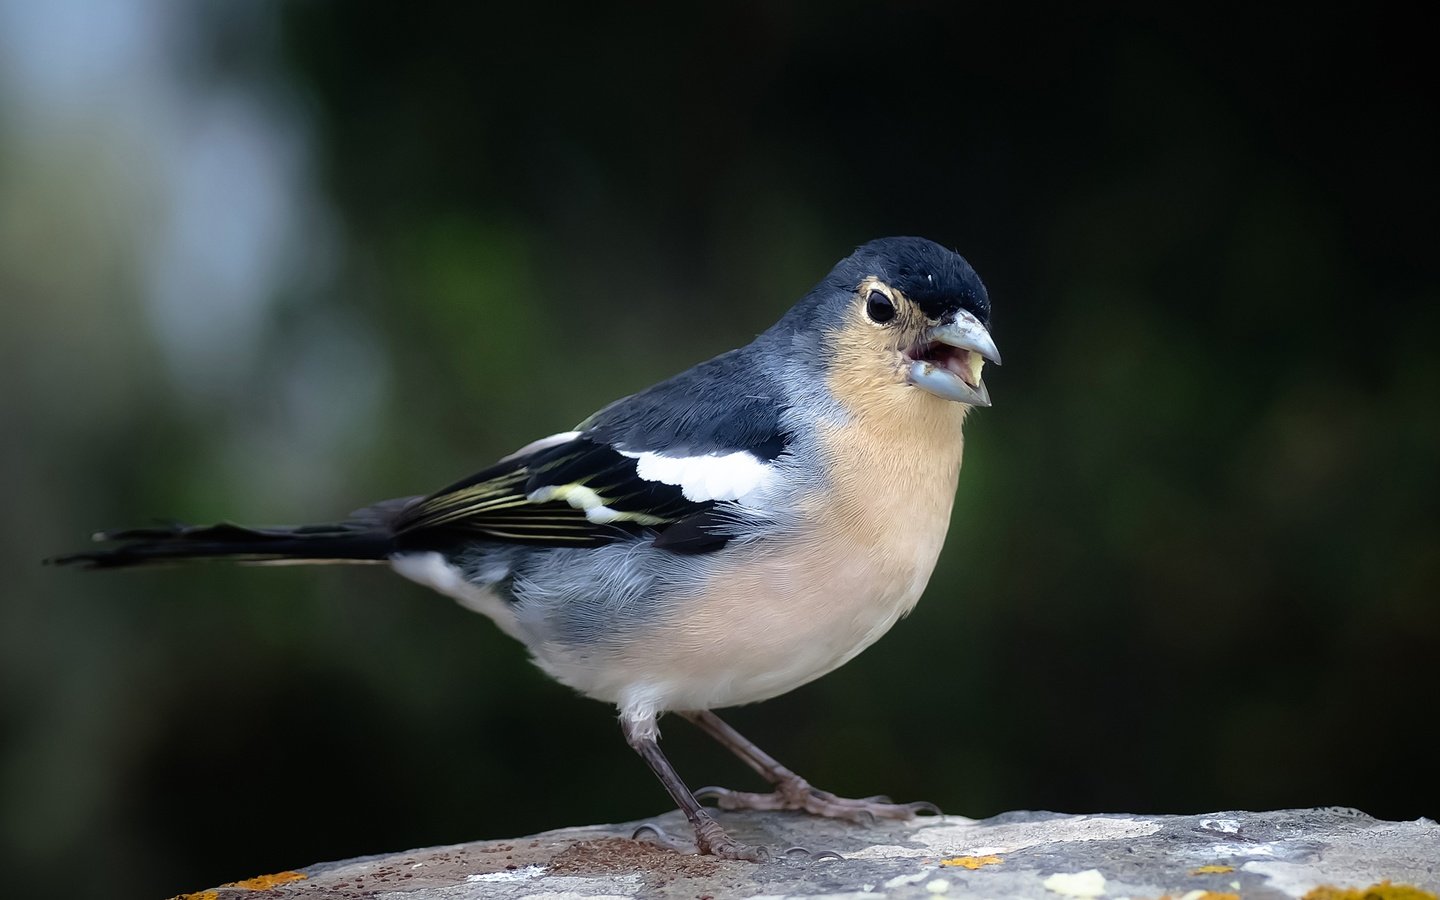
x=266 y=882
x=1212 y=870
x=1382 y=891
x=971 y=862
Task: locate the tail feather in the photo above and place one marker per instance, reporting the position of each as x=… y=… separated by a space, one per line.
x=351 y=542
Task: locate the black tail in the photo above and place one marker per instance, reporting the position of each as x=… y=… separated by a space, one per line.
x=342 y=542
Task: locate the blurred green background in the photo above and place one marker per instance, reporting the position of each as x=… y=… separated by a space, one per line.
x=270 y=262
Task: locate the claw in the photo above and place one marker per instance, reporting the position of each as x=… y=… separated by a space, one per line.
x=812 y=856
x=661 y=838
x=710 y=792
x=925 y=806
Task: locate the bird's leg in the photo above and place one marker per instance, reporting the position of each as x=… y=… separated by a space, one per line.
x=791 y=791
x=710 y=838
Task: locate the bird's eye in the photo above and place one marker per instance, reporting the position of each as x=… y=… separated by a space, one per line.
x=879 y=307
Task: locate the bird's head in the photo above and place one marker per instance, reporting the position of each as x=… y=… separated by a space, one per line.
x=907 y=312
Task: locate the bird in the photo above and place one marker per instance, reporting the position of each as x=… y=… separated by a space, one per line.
x=717 y=539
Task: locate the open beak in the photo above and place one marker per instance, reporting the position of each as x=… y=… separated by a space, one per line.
x=948 y=360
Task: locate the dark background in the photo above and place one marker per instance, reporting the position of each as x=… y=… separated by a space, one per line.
x=1195 y=560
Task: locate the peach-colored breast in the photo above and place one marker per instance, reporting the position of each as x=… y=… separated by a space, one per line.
x=778 y=615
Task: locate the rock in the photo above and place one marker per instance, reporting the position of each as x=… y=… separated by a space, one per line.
x=1291 y=853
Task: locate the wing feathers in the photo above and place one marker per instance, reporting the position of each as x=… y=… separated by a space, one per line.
x=571 y=490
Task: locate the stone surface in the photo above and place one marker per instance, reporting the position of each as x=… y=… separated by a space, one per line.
x=1289 y=853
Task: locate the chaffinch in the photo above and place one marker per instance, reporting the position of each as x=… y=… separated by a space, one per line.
x=720 y=538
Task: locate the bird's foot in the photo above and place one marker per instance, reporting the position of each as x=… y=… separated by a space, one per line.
x=717 y=842
x=712 y=840
x=799 y=795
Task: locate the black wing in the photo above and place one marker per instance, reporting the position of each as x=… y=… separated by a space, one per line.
x=578 y=494
x=587 y=491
